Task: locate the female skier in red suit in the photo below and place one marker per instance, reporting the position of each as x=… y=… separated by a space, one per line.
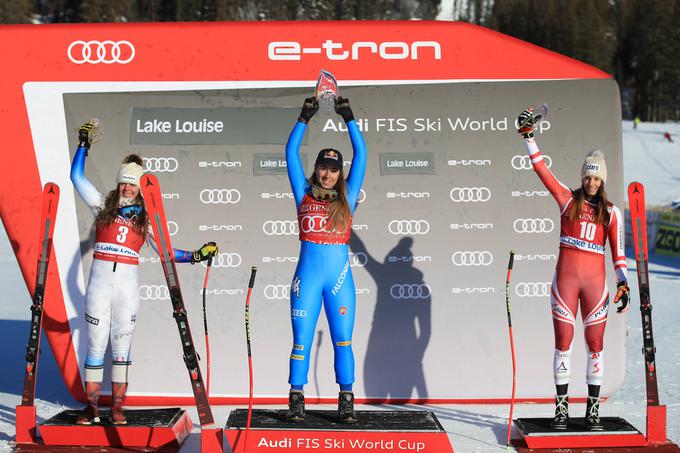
x=587 y=220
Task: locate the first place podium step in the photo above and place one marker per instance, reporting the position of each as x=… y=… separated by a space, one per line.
x=374 y=431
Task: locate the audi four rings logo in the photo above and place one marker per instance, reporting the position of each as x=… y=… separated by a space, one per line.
x=279 y=227
x=358 y=259
x=107 y=52
x=220 y=196
x=277 y=292
x=313 y=224
x=533 y=225
x=296 y=313
x=532 y=289
x=409 y=227
x=153 y=292
x=160 y=164
x=523 y=162
x=472 y=258
x=410 y=291
x=225 y=260
x=470 y=194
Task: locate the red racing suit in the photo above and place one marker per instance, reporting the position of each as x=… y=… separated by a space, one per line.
x=580 y=273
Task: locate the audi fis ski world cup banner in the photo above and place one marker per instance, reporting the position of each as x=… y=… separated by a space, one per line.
x=448 y=192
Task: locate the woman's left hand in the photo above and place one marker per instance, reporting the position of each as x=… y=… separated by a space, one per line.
x=622 y=296
x=206 y=251
x=343 y=109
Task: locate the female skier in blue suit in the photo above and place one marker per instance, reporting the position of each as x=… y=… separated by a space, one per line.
x=325 y=204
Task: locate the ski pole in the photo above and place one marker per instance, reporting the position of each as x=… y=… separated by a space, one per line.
x=253 y=271
x=512 y=344
x=205 y=324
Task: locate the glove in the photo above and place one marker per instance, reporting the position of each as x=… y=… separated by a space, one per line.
x=622 y=296
x=525 y=120
x=343 y=109
x=309 y=108
x=86 y=133
x=206 y=251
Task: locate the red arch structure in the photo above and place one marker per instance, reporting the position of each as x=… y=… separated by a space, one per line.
x=178 y=52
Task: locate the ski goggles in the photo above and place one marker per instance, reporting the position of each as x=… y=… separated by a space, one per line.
x=130 y=212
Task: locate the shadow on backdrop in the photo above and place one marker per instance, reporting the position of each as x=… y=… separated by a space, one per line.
x=50 y=384
x=401 y=328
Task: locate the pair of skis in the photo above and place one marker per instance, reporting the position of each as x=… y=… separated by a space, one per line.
x=636 y=199
x=154 y=205
x=48 y=216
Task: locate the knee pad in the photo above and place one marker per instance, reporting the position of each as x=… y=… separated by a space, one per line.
x=562 y=366
x=595 y=368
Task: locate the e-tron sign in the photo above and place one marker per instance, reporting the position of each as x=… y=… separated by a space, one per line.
x=338 y=51
x=439 y=206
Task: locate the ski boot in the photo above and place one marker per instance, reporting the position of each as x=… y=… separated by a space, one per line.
x=346 y=407
x=90 y=414
x=561 y=418
x=296 y=406
x=118 y=390
x=592 y=419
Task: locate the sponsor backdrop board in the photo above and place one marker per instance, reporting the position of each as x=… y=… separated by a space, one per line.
x=448 y=192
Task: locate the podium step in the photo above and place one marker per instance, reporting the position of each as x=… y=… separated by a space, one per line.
x=375 y=431
x=145 y=428
x=617 y=432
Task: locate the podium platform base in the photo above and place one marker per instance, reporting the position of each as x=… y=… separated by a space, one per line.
x=25 y=424
x=374 y=431
x=617 y=432
x=145 y=428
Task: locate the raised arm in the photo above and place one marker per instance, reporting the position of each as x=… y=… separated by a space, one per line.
x=560 y=192
x=87 y=191
x=358 y=169
x=296 y=174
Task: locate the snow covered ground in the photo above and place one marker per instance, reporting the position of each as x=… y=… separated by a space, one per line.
x=653 y=161
x=472 y=428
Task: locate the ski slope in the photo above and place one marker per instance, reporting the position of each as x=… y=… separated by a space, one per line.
x=653 y=161
x=472 y=428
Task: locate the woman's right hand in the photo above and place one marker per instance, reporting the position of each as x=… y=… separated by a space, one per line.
x=86 y=132
x=309 y=108
x=525 y=120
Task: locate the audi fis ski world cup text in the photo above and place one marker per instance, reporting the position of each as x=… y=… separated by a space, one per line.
x=340 y=444
x=431 y=125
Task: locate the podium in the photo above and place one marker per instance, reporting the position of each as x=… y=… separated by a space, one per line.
x=617 y=432
x=374 y=431
x=145 y=428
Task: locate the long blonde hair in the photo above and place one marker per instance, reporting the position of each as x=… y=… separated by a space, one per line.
x=338 y=211
x=109 y=212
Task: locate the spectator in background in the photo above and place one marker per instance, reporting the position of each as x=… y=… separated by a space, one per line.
x=636 y=121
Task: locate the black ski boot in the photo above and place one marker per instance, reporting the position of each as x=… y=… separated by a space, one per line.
x=346 y=407
x=561 y=418
x=593 y=414
x=296 y=406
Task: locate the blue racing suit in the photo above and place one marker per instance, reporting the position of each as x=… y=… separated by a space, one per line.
x=323 y=270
